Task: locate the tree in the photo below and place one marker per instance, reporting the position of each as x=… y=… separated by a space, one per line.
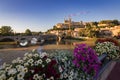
x=110 y=23
x=95 y=24
x=6 y=31
x=88 y=25
x=54 y=27
x=82 y=32
x=28 y=32
x=115 y=22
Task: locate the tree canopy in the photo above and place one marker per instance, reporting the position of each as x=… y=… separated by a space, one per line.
x=28 y=32
x=6 y=31
x=110 y=22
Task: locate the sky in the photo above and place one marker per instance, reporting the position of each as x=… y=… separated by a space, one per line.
x=41 y=15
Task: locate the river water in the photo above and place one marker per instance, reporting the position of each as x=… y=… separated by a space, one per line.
x=47 y=45
x=10 y=52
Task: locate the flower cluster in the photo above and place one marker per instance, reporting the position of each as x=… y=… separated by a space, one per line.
x=33 y=66
x=67 y=69
x=60 y=65
x=86 y=59
x=101 y=40
x=110 y=48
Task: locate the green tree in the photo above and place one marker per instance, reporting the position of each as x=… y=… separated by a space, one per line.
x=28 y=32
x=6 y=31
x=110 y=23
x=82 y=33
x=95 y=24
x=54 y=27
x=115 y=22
x=88 y=26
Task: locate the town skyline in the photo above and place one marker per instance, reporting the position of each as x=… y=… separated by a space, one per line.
x=41 y=15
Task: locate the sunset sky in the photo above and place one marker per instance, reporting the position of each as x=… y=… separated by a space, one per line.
x=41 y=15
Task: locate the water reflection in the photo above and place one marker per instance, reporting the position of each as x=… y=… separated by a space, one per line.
x=62 y=42
x=53 y=42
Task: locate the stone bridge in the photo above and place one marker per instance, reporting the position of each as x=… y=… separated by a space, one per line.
x=25 y=40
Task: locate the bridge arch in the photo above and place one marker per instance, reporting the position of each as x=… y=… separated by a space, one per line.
x=28 y=40
x=7 y=40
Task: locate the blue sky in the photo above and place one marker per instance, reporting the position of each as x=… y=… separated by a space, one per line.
x=41 y=15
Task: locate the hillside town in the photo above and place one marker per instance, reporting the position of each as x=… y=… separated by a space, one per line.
x=104 y=28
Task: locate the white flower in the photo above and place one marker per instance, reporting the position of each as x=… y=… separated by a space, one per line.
x=18 y=58
x=11 y=78
x=36 y=55
x=2 y=72
x=3 y=77
x=66 y=58
x=29 y=55
x=36 y=63
x=20 y=76
x=48 y=60
x=43 y=54
x=25 y=70
x=43 y=65
x=60 y=69
x=30 y=61
x=14 y=61
x=61 y=76
x=12 y=71
x=63 y=60
x=71 y=73
x=40 y=78
x=70 y=78
x=32 y=71
x=7 y=68
x=36 y=77
x=26 y=54
x=33 y=50
x=39 y=61
x=25 y=58
x=65 y=75
x=51 y=78
x=20 y=61
x=4 y=66
x=26 y=64
x=19 y=67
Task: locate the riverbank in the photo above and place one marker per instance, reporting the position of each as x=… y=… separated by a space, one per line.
x=8 y=54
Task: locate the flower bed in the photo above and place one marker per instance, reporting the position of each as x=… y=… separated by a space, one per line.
x=32 y=67
x=83 y=64
x=109 y=46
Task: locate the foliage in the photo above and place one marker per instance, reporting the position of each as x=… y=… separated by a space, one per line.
x=86 y=60
x=109 y=46
x=6 y=31
x=95 y=24
x=82 y=32
x=28 y=32
x=110 y=23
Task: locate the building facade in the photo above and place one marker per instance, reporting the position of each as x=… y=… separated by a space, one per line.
x=68 y=23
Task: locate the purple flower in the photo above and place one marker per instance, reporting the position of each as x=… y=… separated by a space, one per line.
x=85 y=59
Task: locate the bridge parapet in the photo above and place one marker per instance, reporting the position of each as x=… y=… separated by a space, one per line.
x=18 y=38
